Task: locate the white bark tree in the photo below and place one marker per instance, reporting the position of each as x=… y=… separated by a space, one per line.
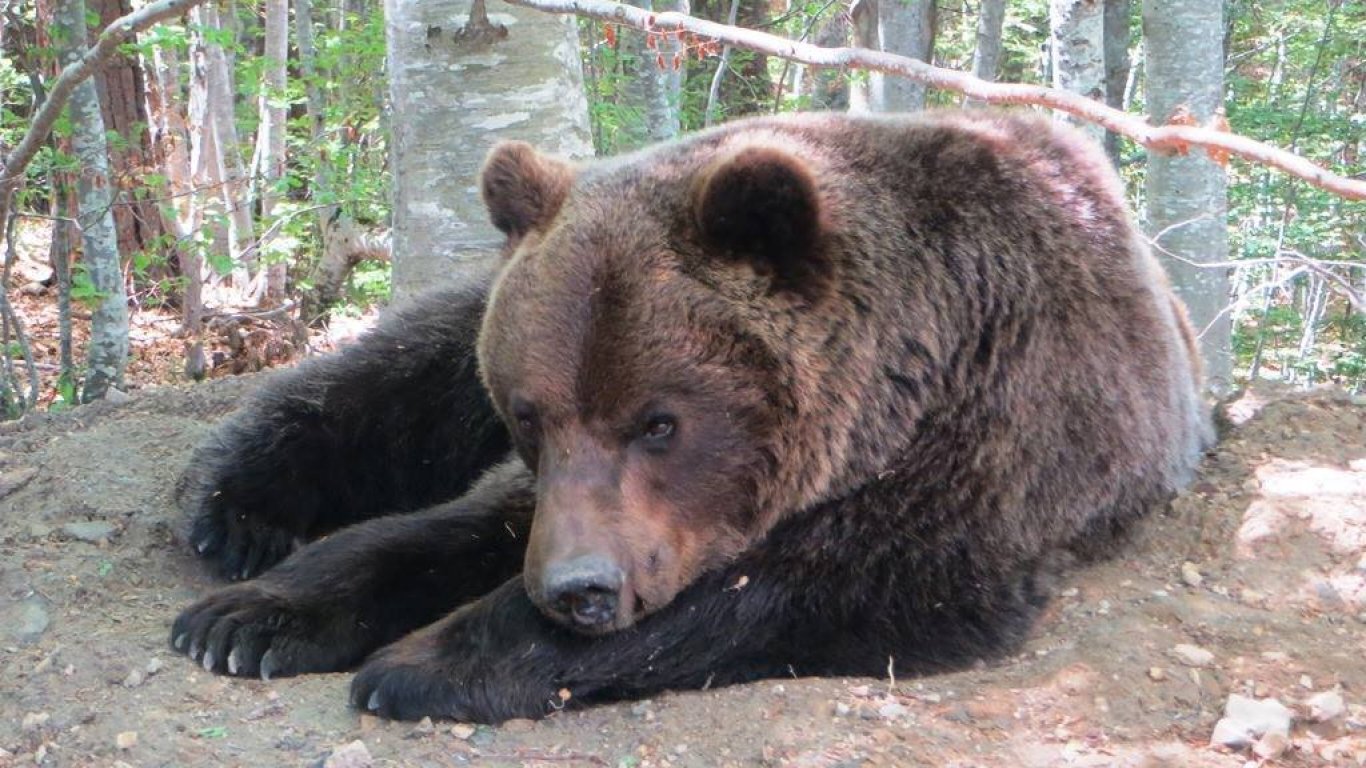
x=655 y=88
x=270 y=136
x=906 y=28
x=1186 y=197
x=1117 y=64
x=107 y=354
x=1077 y=51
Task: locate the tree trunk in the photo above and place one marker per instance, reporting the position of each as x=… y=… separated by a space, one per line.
x=866 y=88
x=1117 y=64
x=206 y=161
x=443 y=125
x=1186 y=208
x=908 y=30
x=120 y=85
x=653 y=88
x=270 y=137
x=1076 y=46
x=108 y=348
x=986 y=56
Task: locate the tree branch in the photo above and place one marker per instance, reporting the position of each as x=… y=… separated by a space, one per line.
x=1166 y=138
x=120 y=31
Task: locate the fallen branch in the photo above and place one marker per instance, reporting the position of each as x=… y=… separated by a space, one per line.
x=1166 y=138
x=120 y=31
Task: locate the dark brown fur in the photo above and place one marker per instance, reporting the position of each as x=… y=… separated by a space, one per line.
x=908 y=364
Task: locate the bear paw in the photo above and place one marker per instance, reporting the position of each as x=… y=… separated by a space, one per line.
x=247 y=631
x=245 y=543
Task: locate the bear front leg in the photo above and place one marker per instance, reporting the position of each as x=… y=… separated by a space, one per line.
x=397 y=421
x=332 y=603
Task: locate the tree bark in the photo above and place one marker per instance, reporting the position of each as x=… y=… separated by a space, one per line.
x=270 y=137
x=1186 y=199
x=1117 y=64
x=121 y=85
x=108 y=347
x=653 y=89
x=1076 y=48
x=865 y=89
x=907 y=29
x=986 y=56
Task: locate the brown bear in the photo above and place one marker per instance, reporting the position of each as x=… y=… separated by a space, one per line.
x=797 y=395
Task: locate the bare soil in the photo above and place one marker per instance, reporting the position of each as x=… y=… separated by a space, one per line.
x=1262 y=564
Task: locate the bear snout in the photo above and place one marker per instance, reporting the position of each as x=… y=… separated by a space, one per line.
x=582 y=592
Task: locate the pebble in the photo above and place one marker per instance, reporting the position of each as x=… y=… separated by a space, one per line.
x=92 y=531
x=423 y=728
x=24 y=621
x=154 y=666
x=1325 y=706
x=353 y=755
x=1247 y=720
x=891 y=710
x=1191 y=575
x=1192 y=655
x=518 y=725
x=1307 y=682
x=134 y=679
x=35 y=720
x=126 y=740
x=1157 y=674
x=462 y=731
x=1271 y=745
x=841 y=709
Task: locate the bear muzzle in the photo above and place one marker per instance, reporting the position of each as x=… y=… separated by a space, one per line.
x=583 y=592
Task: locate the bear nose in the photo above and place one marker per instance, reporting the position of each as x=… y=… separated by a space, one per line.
x=583 y=590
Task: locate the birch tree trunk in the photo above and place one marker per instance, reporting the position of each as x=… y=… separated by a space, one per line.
x=654 y=88
x=1186 y=206
x=866 y=88
x=1117 y=64
x=206 y=161
x=270 y=138
x=108 y=348
x=450 y=104
x=1077 y=51
x=907 y=28
x=986 y=56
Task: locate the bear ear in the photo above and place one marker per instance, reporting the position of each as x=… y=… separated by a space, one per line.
x=522 y=188
x=761 y=203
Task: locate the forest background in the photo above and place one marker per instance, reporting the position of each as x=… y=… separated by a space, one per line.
x=218 y=197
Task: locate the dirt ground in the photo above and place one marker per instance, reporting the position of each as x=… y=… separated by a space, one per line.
x=1254 y=583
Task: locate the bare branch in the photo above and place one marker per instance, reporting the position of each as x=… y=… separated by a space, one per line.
x=120 y=31
x=1166 y=138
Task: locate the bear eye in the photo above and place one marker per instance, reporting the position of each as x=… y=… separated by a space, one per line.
x=659 y=428
x=525 y=416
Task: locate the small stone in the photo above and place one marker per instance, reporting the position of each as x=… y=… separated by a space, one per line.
x=891 y=710
x=1247 y=720
x=680 y=749
x=1192 y=655
x=1070 y=592
x=841 y=709
x=154 y=666
x=518 y=725
x=1157 y=674
x=92 y=531
x=24 y=621
x=462 y=731
x=134 y=679
x=640 y=709
x=353 y=755
x=116 y=395
x=1326 y=706
x=35 y=720
x=1307 y=682
x=126 y=740
x=1271 y=745
x=1191 y=575
x=423 y=728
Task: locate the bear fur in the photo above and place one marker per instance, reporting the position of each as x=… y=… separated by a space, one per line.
x=790 y=396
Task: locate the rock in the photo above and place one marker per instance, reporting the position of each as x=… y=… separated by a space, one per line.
x=462 y=731
x=34 y=720
x=353 y=755
x=1271 y=745
x=24 y=621
x=1191 y=575
x=154 y=666
x=891 y=710
x=1192 y=655
x=1326 y=706
x=126 y=740
x=93 y=531
x=1247 y=720
x=116 y=395
x=517 y=725
x=1157 y=674
x=15 y=479
x=423 y=728
x=134 y=679
x=841 y=709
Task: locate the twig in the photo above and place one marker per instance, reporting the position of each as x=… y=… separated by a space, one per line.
x=1166 y=138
